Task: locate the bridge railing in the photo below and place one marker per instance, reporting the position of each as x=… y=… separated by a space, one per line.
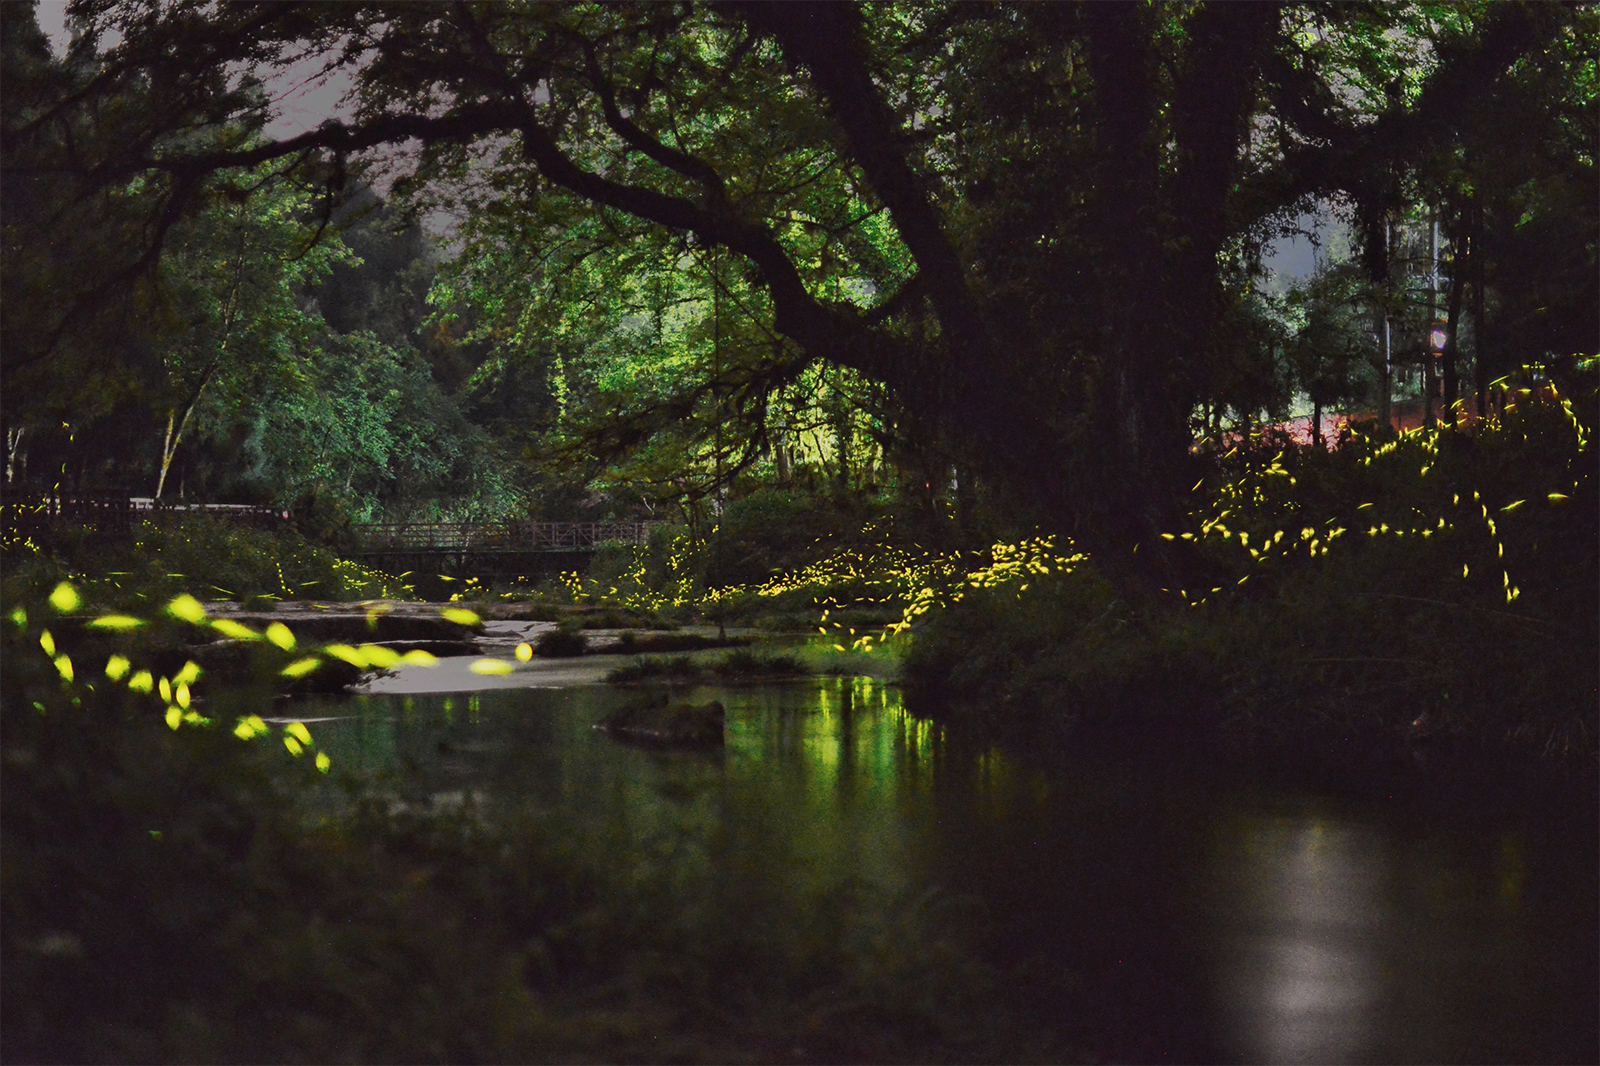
x=26 y=510
x=500 y=536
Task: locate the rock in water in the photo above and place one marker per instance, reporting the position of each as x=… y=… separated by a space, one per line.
x=655 y=721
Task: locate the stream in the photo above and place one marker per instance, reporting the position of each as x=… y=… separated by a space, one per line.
x=1185 y=915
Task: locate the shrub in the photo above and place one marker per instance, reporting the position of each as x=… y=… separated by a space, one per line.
x=561 y=643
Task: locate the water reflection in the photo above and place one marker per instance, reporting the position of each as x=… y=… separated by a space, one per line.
x=1303 y=974
x=1162 y=919
x=1341 y=939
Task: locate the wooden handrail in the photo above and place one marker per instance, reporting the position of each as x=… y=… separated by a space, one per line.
x=500 y=536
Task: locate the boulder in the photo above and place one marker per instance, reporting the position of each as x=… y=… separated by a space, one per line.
x=654 y=720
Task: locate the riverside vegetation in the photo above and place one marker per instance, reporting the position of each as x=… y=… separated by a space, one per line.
x=1436 y=576
x=904 y=318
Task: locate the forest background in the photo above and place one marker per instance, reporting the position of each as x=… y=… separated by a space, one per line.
x=951 y=318
x=807 y=278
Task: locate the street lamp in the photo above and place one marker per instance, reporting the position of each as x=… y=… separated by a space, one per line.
x=1438 y=337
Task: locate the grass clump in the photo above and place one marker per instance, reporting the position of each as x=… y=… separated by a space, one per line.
x=561 y=643
x=675 y=668
x=748 y=664
x=737 y=665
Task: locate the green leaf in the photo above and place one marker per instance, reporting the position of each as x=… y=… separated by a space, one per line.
x=228 y=627
x=186 y=608
x=116 y=621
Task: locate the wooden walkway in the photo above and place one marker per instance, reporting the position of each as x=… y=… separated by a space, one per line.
x=416 y=538
x=25 y=510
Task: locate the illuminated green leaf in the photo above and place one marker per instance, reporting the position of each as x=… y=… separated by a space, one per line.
x=187 y=609
x=300 y=667
x=228 y=627
x=379 y=656
x=347 y=654
x=116 y=621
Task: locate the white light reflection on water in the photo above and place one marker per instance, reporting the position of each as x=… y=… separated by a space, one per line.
x=1328 y=932
x=1340 y=938
x=1303 y=974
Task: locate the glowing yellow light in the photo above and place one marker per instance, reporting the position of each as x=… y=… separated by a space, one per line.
x=65 y=598
x=300 y=667
x=186 y=608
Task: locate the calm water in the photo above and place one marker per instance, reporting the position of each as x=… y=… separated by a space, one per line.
x=1170 y=916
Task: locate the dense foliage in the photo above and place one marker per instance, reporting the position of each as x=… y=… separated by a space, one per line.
x=1018 y=240
x=947 y=328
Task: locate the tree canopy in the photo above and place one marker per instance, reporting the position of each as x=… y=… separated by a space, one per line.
x=1022 y=230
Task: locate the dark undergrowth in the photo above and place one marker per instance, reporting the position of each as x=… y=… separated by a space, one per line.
x=205 y=556
x=1414 y=602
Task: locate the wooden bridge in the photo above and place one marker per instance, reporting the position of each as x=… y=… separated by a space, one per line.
x=409 y=538
x=492 y=548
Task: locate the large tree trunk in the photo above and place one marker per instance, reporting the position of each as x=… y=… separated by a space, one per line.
x=1447 y=359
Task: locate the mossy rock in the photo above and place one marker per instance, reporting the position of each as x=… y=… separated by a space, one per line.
x=656 y=721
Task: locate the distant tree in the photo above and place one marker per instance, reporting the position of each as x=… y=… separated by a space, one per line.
x=1013 y=218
